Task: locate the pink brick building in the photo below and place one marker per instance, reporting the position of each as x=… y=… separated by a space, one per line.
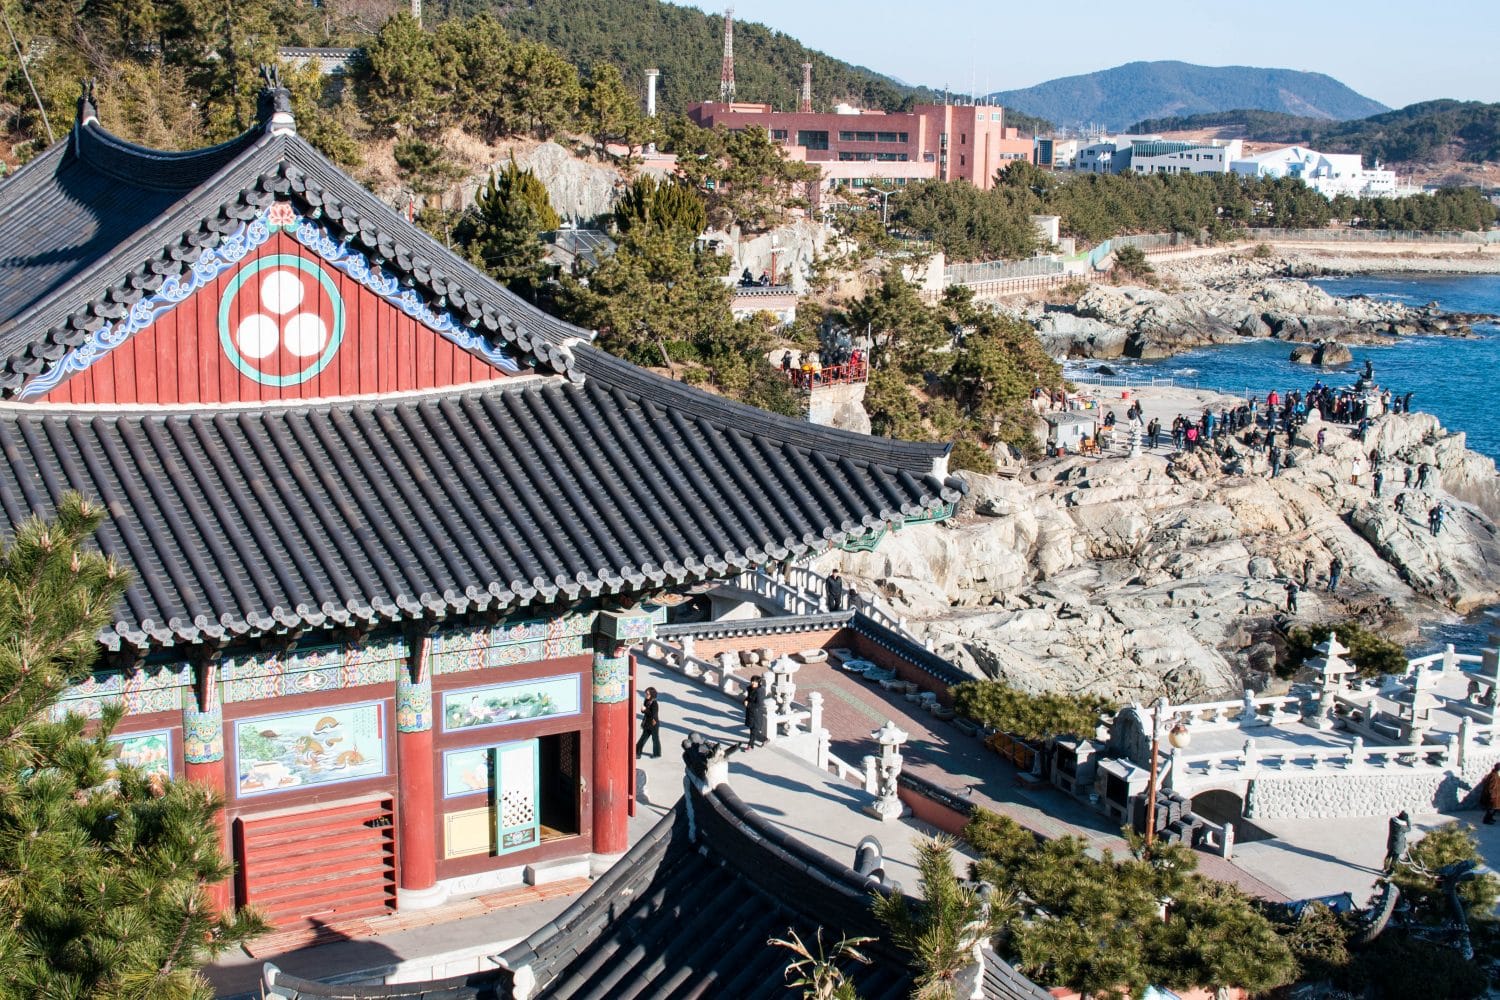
x=946 y=141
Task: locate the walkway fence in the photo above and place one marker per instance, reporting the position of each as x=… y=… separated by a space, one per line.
x=1345 y=235
x=992 y=270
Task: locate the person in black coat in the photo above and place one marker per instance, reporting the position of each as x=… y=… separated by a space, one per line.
x=833 y=591
x=650 y=725
x=755 y=700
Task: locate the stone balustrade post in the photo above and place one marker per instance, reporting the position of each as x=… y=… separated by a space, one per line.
x=1226 y=849
x=1251 y=755
x=1357 y=752
x=1450 y=659
x=689 y=647
x=1461 y=744
x=1247 y=709
x=871 y=773
x=814 y=711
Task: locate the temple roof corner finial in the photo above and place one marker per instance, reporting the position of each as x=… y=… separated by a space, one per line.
x=275 y=110
x=88 y=106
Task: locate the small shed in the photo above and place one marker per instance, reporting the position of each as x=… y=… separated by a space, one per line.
x=1068 y=429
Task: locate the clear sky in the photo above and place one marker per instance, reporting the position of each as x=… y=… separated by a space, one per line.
x=1394 y=51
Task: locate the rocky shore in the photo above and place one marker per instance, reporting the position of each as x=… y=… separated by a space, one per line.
x=1223 y=299
x=1133 y=576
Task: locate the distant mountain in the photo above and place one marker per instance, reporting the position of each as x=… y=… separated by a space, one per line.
x=685 y=43
x=1116 y=97
x=1430 y=132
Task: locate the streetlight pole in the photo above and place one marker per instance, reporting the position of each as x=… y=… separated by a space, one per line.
x=1151 y=783
x=885 y=205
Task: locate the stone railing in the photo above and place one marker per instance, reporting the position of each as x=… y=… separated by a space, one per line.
x=1244 y=713
x=1250 y=762
x=808 y=585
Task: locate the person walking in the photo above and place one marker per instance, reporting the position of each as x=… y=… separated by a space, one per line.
x=755 y=701
x=833 y=591
x=1307 y=573
x=1406 y=477
x=1335 y=572
x=1489 y=794
x=1397 y=833
x=1435 y=520
x=650 y=725
x=1423 y=471
x=1291 y=596
x=1377 y=481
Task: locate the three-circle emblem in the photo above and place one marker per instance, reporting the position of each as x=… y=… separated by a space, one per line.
x=281 y=320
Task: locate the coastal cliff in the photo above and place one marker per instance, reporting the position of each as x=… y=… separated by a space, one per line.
x=1129 y=576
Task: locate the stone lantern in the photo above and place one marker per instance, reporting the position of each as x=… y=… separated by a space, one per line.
x=887 y=805
x=779 y=694
x=1333 y=676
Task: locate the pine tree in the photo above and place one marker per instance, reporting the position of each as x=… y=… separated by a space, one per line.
x=502 y=232
x=611 y=113
x=103 y=870
x=939 y=932
x=665 y=205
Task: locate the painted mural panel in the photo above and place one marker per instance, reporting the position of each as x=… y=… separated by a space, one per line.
x=467 y=771
x=524 y=641
x=518 y=701
x=274 y=753
x=150 y=752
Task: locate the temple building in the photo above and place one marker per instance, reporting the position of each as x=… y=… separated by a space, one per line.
x=390 y=529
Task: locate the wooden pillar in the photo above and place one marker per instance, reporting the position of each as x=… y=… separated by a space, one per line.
x=416 y=833
x=614 y=754
x=203 y=756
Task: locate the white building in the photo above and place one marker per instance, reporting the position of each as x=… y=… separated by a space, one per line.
x=1329 y=174
x=1159 y=156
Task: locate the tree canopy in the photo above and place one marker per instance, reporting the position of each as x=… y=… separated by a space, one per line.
x=103 y=868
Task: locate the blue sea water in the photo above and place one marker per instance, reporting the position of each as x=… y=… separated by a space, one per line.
x=1457 y=380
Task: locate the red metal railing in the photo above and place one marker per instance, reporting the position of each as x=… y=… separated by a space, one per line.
x=845 y=374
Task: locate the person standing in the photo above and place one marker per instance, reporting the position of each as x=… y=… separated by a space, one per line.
x=1400 y=503
x=1356 y=469
x=1435 y=520
x=1335 y=571
x=1377 y=481
x=1406 y=477
x=1322 y=436
x=1423 y=471
x=1489 y=793
x=650 y=725
x=833 y=591
x=1275 y=461
x=1307 y=573
x=755 y=701
x=1397 y=833
x=1291 y=596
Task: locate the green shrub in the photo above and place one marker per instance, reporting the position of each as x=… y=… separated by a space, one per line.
x=1030 y=717
x=1373 y=655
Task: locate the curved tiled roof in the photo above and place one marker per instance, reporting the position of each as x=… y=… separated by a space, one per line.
x=252 y=520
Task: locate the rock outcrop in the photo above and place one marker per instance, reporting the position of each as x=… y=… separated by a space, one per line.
x=1130 y=576
x=1221 y=301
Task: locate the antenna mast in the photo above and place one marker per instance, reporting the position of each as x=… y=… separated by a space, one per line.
x=726 y=75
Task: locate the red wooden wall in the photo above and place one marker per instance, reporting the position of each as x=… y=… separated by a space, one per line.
x=281 y=324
